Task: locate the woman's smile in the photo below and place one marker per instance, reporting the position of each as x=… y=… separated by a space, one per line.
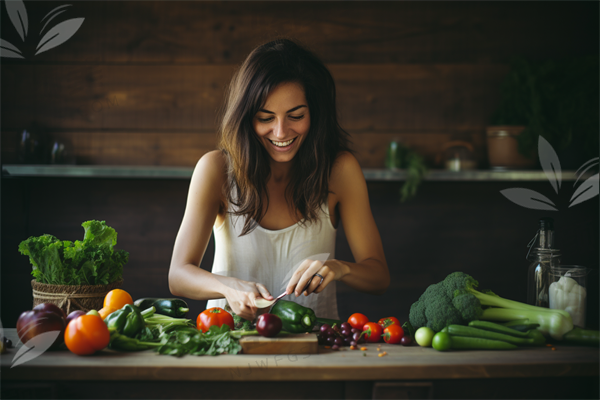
x=283 y=146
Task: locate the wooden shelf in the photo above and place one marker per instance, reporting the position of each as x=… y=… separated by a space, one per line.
x=161 y=172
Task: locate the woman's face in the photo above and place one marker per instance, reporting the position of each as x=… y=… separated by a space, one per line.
x=283 y=122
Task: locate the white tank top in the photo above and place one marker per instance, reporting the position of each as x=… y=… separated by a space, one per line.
x=271 y=257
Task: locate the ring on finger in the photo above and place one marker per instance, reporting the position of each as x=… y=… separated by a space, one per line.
x=320 y=276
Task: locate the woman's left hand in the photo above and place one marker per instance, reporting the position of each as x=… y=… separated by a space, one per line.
x=330 y=270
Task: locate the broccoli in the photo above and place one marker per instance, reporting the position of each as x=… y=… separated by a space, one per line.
x=456 y=301
x=435 y=308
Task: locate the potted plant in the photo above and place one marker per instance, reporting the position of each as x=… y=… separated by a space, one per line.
x=557 y=100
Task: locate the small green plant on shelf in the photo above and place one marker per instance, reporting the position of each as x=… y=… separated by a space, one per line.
x=401 y=157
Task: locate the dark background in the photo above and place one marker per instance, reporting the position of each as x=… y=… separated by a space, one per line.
x=141 y=83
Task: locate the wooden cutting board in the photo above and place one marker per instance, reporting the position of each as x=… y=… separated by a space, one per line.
x=289 y=344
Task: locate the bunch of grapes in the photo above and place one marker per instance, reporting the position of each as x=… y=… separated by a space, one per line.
x=339 y=335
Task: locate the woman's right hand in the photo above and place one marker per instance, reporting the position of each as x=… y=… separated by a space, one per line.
x=241 y=296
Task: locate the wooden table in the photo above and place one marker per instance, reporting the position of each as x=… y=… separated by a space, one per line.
x=405 y=372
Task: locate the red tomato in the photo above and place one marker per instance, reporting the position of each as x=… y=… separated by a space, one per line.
x=86 y=335
x=358 y=320
x=385 y=322
x=393 y=334
x=373 y=332
x=213 y=316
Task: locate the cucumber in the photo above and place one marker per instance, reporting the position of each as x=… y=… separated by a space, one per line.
x=176 y=308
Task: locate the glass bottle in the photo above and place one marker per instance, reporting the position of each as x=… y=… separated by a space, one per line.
x=542 y=255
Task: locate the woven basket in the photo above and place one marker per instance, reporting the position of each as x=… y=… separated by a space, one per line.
x=72 y=297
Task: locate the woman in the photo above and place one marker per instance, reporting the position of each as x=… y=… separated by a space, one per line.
x=275 y=191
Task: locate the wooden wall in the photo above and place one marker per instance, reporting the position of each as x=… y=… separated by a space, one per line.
x=141 y=83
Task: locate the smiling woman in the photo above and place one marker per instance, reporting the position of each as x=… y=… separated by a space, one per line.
x=275 y=192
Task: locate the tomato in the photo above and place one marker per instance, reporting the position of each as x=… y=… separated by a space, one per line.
x=213 y=316
x=86 y=335
x=423 y=336
x=393 y=334
x=358 y=320
x=441 y=341
x=385 y=322
x=373 y=332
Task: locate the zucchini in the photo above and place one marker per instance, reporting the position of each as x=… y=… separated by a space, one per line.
x=535 y=335
x=522 y=325
x=475 y=343
x=585 y=337
x=490 y=326
x=176 y=308
x=460 y=330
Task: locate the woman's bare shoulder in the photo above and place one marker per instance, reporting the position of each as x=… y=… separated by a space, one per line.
x=212 y=166
x=345 y=167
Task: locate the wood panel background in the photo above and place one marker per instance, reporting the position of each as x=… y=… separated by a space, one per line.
x=142 y=82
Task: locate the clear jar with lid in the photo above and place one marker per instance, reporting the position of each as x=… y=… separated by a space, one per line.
x=543 y=257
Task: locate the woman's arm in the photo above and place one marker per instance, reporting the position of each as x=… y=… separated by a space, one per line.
x=186 y=279
x=370 y=272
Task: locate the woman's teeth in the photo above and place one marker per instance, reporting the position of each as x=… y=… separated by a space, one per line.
x=282 y=144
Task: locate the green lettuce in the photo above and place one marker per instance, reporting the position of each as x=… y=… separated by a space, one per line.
x=93 y=261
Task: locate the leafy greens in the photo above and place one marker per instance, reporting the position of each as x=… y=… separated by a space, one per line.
x=93 y=261
x=215 y=341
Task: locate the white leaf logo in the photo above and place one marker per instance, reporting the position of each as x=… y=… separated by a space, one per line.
x=34 y=347
x=550 y=163
x=529 y=199
x=59 y=34
x=53 y=16
x=585 y=191
x=8 y=50
x=18 y=16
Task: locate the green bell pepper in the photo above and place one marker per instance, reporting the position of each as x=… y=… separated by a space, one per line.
x=127 y=321
x=294 y=317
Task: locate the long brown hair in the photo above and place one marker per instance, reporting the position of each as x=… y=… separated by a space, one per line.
x=266 y=67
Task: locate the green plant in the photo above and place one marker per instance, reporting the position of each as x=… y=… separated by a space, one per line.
x=402 y=157
x=555 y=99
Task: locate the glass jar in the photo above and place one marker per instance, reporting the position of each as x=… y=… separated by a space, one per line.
x=543 y=257
x=567 y=291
